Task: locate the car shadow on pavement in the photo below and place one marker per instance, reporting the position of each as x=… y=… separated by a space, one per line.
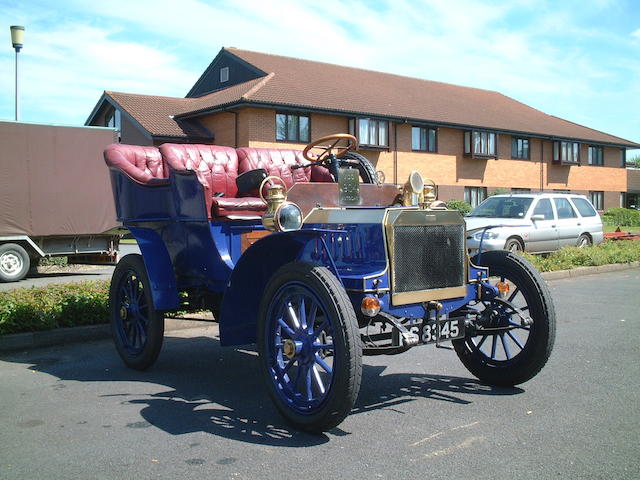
x=219 y=390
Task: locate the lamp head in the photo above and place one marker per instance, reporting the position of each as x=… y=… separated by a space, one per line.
x=17 y=36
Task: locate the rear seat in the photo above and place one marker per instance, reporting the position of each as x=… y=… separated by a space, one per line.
x=216 y=168
x=142 y=164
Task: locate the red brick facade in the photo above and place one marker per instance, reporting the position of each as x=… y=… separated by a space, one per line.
x=448 y=166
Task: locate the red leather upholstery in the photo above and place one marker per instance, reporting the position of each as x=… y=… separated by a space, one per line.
x=216 y=167
x=240 y=207
x=278 y=163
x=142 y=164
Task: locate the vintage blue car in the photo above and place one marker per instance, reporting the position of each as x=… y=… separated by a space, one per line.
x=308 y=255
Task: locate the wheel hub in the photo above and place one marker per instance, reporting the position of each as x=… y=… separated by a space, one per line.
x=291 y=348
x=10 y=263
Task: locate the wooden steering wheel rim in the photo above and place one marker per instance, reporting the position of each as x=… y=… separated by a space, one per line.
x=353 y=145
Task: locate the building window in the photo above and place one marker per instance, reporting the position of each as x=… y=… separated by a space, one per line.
x=623 y=157
x=423 y=139
x=597 y=199
x=480 y=144
x=474 y=196
x=520 y=190
x=520 y=148
x=113 y=119
x=566 y=152
x=292 y=128
x=370 y=132
x=596 y=156
x=224 y=74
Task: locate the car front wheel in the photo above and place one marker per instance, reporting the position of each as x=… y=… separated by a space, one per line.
x=309 y=346
x=513 y=333
x=514 y=245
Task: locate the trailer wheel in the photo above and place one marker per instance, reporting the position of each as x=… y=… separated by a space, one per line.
x=14 y=262
x=137 y=328
x=514 y=334
x=310 y=351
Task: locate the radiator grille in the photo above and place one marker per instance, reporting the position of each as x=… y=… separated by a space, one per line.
x=427 y=257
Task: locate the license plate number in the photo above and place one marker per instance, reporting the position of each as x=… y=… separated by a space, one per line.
x=439 y=330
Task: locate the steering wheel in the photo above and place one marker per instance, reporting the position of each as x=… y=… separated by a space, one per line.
x=328 y=150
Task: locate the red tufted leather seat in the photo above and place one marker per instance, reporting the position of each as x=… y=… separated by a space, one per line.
x=143 y=164
x=216 y=168
x=279 y=162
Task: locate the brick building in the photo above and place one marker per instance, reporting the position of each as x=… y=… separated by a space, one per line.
x=469 y=141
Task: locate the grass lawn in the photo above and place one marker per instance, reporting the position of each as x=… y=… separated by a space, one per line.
x=623 y=228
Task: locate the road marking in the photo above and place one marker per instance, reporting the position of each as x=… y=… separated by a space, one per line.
x=454 y=448
x=438 y=434
x=430 y=437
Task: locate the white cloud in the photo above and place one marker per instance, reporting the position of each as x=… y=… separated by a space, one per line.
x=636 y=33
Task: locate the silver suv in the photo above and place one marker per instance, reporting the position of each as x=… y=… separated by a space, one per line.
x=535 y=222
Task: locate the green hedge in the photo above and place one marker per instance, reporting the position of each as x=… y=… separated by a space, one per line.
x=622 y=251
x=462 y=207
x=75 y=304
x=54 y=306
x=622 y=216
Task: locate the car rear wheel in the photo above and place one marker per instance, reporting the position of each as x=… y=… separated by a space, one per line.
x=584 y=240
x=136 y=326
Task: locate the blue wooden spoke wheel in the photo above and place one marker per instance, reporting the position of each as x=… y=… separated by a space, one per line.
x=309 y=346
x=137 y=328
x=515 y=332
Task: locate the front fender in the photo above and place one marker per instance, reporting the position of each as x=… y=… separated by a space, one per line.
x=252 y=272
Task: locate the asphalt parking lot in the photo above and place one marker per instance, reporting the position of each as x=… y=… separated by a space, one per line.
x=201 y=412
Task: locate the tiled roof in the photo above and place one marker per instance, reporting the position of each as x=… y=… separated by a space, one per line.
x=293 y=82
x=155 y=113
x=326 y=86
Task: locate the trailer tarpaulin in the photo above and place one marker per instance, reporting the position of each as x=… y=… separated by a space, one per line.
x=53 y=180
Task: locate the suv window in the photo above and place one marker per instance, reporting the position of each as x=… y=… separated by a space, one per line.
x=544 y=208
x=564 y=208
x=584 y=207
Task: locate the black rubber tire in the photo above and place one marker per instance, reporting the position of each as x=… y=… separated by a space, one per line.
x=131 y=269
x=584 y=240
x=530 y=360
x=514 y=244
x=364 y=166
x=14 y=262
x=343 y=390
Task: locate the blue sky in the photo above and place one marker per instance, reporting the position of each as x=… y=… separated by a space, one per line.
x=577 y=59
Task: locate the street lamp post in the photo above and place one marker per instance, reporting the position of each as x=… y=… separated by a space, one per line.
x=17 y=40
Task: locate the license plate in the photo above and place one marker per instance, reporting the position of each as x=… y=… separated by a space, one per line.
x=433 y=331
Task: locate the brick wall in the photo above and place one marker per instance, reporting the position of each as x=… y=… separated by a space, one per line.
x=222 y=125
x=449 y=168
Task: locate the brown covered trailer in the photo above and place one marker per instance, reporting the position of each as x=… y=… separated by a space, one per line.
x=55 y=196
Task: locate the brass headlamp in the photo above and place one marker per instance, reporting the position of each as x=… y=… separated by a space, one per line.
x=281 y=215
x=412 y=189
x=429 y=195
